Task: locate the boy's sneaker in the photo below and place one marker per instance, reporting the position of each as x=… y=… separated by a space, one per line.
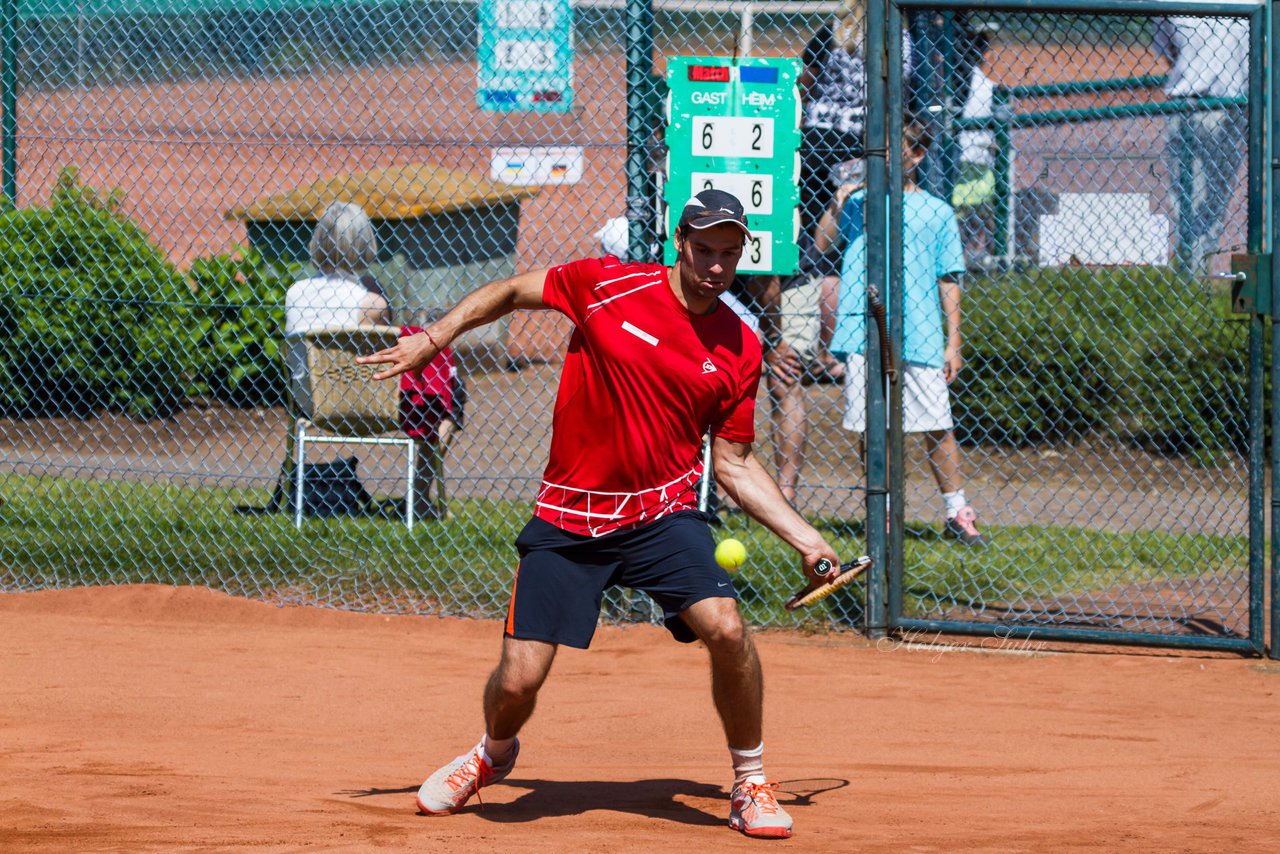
x=754 y=811
x=449 y=789
x=961 y=527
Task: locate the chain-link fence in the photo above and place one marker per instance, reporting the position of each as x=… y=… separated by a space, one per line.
x=1098 y=168
x=170 y=162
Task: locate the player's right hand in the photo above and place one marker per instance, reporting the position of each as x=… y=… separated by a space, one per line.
x=411 y=353
x=824 y=556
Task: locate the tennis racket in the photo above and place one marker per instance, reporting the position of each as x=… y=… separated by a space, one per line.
x=848 y=572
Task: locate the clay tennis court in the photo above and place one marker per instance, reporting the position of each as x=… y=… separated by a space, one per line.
x=154 y=718
x=177 y=719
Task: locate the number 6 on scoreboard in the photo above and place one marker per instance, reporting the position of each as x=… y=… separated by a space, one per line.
x=754 y=190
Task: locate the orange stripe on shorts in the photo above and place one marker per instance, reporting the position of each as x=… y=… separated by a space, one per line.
x=511 y=606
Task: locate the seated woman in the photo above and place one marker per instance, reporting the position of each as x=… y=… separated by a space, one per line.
x=343 y=294
x=342 y=247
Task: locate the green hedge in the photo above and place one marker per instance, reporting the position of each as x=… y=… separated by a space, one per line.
x=1141 y=354
x=89 y=310
x=94 y=317
x=238 y=327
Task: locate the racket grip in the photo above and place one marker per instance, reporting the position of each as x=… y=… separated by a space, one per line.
x=822 y=567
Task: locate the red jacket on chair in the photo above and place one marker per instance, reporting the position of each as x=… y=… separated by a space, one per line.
x=426 y=396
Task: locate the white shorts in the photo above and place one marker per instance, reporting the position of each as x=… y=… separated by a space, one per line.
x=926 y=405
x=800 y=318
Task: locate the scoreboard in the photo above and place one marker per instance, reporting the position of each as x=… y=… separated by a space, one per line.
x=733 y=125
x=525 y=56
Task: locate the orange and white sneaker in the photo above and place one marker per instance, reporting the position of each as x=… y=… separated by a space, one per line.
x=449 y=789
x=755 y=811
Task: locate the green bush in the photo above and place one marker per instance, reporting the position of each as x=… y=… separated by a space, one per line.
x=92 y=315
x=238 y=328
x=1142 y=354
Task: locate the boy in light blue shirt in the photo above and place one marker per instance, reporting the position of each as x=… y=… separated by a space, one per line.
x=933 y=259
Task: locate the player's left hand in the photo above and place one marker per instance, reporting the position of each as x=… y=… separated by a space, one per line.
x=952 y=362
x=410 y=353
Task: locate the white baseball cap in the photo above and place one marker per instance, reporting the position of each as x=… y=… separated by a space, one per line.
x=615 y=237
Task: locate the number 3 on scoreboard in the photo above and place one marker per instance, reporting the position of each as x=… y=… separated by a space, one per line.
x=757 y=255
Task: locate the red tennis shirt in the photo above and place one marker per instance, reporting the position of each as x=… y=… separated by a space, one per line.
x=643 y=380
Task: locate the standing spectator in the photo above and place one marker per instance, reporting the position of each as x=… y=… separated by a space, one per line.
x=933 y=260
x=833 y=100
x=975 y=192
x=432 y=407
x=798 y=314
x=943 y=43
x=1208 y=58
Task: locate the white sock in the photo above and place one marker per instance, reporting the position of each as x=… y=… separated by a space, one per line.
x=497 y=751
x=748 y=765
x=955 y=502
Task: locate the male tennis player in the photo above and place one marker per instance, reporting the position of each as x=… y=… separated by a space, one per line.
x=655 y=359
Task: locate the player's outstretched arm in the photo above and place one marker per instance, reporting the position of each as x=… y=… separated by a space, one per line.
x=757 y=493
x=483 y=305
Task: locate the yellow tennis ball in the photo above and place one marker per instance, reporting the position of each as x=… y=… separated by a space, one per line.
x=731 y=554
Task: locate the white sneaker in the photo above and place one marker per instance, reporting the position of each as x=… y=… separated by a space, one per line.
x=755 y=811
x=449 y=789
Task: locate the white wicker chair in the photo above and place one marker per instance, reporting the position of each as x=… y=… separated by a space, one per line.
x=332 y=394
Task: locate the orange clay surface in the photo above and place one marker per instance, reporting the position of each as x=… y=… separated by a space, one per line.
x=152 y=718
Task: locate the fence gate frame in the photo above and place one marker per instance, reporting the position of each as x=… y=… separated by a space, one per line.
x=1272 y=289
x=885 y=105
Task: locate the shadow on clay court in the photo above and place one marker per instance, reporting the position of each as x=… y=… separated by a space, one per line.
x=649 y=798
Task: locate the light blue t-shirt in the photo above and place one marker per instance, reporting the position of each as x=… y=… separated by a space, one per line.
x=931 y=250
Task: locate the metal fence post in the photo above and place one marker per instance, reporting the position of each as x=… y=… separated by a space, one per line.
x=1273 y=188
x=876 y=474
x=1186 y=194
x=1257 y=188
x=9 y=104
x=1004 y=230
x=897 y=461
x=640 y=111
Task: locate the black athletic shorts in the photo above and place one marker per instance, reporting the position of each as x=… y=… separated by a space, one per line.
x=561 y=579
